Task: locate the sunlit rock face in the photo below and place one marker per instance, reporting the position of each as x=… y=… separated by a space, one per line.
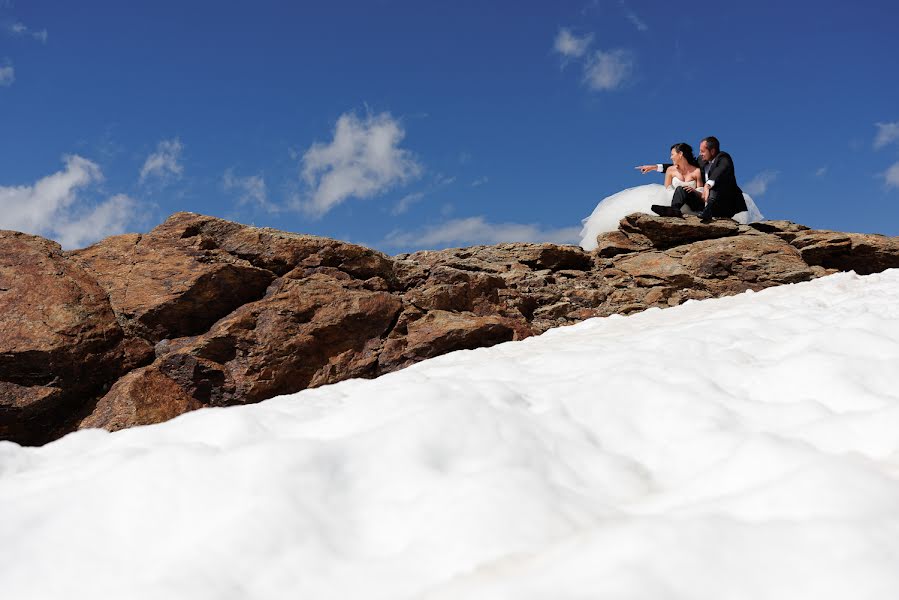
x=200 y=311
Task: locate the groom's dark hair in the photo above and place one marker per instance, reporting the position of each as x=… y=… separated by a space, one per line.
x=712 y=143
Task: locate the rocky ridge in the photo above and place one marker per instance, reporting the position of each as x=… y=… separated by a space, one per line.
x=140 y=328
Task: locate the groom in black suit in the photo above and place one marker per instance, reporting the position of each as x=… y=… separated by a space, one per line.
x=719 y=197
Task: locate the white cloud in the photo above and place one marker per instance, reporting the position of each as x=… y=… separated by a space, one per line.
x=476 y=230
x=758 y=185
x=480 y=181
x=821 y=172
x=570 y=45
x=887 y=133
x=608 y=70
x=364 y=159
x=250 y=189
x=633 y=18
x=7 y=75
x=51 y=207
x=892 y=176
x=405 y=202
x=23 y=30
x=163 y=164
x=107 y=218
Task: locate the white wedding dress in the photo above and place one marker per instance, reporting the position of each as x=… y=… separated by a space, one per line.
x=612 y=209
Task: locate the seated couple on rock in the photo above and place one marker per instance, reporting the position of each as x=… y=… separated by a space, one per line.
x=706 y=187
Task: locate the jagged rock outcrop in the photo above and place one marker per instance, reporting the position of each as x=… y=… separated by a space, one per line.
x=138 y=329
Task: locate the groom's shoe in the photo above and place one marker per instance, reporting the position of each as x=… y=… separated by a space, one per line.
x=666 y=211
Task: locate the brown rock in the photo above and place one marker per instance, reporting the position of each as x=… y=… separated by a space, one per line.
x=862 y=253
x=142 y=397
x=276 y=251
x=665 y=232
x=618 y=242
x=230 y=314
x=164 y=286
x=440 y=332
x=735 y=264
x=59 y=340
x=653 y=268
x=447 y=288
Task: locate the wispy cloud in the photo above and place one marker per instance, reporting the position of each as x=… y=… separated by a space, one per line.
x=7 y=75
x=364 y=159
x=570 y=45
x=405 y=202
x=758 y=185
x=891 y=176
x=631 y=16
x=609 y=70
x=887 y=133
x=21 y=29
x=163 y=165
x=821 y=172
x=250 y=190
x=480 y=181
x=51 y=207
x=477 y=230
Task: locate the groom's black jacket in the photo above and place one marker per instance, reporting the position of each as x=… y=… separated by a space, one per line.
x=725 y=197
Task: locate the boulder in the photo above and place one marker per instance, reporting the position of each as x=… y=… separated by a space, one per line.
x=439 y=332
x=59 y=339
x=862 y=253
x=161 y=285
x=665 y=232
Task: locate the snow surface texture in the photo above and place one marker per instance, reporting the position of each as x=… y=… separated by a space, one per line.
x=740 y=448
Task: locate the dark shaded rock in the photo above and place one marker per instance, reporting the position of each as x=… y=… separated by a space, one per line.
x=59 y=339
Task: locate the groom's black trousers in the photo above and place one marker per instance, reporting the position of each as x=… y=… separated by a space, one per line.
x=682 y=196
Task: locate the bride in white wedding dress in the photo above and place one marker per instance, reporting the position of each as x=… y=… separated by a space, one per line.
x=685 y=171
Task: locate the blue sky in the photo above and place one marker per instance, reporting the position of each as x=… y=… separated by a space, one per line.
x=404 y=125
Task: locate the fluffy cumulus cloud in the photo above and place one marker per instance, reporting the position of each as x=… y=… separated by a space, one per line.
x=887 y=133
x=891 y=176
x=608 y=70
x=52 y=207
x=7 y=75
x=477 y=230
x=570 y=45
x=363 y=160
x=163 y=165
x=250 y=189
x=758 y=185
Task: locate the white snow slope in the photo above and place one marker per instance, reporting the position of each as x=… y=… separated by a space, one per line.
x=741 y=448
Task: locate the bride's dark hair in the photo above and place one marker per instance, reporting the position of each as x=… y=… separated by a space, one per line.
x=687 y=150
